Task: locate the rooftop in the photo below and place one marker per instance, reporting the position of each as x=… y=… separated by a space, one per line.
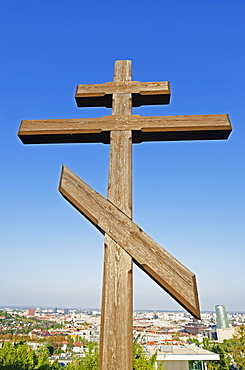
x=182 y=353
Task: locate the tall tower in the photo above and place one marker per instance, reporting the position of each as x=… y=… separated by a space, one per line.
x=221 y=317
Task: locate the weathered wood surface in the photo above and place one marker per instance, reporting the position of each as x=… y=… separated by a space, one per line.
x=160 y=265
x=143 y=93
x=196 y=127
x=117 y=293
x=124 y=240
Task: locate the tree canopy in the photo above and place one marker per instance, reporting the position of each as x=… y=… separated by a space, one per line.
x=19 y=356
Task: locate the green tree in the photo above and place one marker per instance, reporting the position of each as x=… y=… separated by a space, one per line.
x=236 y=347
x=42 y=359
x=224 y=362
x=141 y=361
x=91 y=360
x=19 y=356
x=194 y=340
x=25 y=356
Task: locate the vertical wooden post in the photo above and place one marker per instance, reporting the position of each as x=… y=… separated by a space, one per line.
x=116 y=316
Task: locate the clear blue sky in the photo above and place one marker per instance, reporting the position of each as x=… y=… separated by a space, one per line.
x=188 y=196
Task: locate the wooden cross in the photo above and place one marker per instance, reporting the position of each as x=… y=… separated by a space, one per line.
x=124 y=240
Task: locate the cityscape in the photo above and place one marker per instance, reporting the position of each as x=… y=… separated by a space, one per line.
x=173 y=335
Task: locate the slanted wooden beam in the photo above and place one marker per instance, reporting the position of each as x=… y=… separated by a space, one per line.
x=160 y=265
x=93 y=130
x=143 y=93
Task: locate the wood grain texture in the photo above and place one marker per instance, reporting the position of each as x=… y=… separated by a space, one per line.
x=164 y=128
x=116 y=313
x=160 y=265
x=124 y=240
x=117 y=292
x=143 y=93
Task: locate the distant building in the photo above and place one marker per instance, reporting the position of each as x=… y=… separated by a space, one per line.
x=31 y=311
x=193 y=328
x=222 y=330
x=210 y=333
x=155 y=315
x=95 y=333
x=223 y=334
x=221 y=317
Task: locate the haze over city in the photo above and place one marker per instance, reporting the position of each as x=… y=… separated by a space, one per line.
x=188 y=196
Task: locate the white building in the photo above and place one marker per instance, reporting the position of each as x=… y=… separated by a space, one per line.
x=183 y=357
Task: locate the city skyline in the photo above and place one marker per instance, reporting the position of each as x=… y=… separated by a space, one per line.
x=188 y=196
x=72 y=308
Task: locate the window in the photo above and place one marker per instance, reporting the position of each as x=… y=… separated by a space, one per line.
x=197 y=365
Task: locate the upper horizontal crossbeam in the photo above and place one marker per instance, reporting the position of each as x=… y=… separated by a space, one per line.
x=92 y=130
x=143 y=93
